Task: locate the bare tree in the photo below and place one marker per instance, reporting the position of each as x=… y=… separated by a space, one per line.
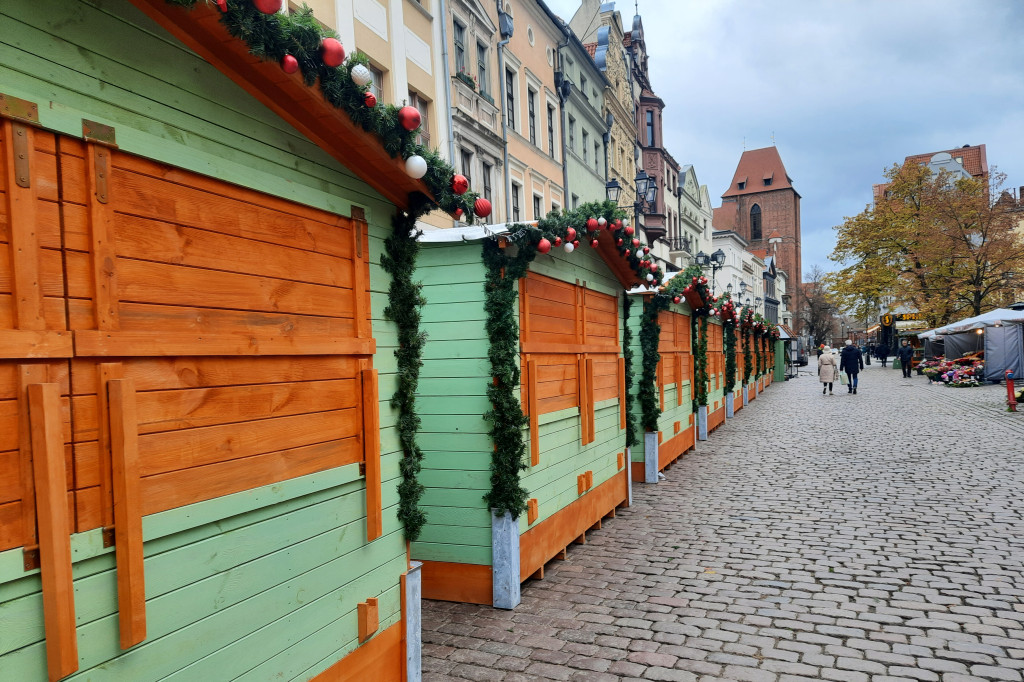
x=817 y=315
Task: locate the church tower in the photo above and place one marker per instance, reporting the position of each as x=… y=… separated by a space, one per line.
x=762 y=202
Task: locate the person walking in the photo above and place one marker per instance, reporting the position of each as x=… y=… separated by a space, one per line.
x=883 y=353
x=905 y=354
x=852 y=362
x=827 y=372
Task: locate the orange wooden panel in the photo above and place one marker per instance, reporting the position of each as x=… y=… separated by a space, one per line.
x=581 y=484
x=371 y=454
x=54 y=530
x=101 y=218
x=621 y=367
x=124 y=450
x=542 y=542
x=589 y=365
x=21 y=197
x=171 y=450
x=186 y=486
x=583 y=399
x=360 y=272
x=531 y=511
x=11 y=534
x=105 y=373
x=382 y=659
x=468 y=583
x=369 y=618
x=120 y=344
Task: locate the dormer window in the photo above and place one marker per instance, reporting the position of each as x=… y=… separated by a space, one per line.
x=767 y=182
x=741 y=184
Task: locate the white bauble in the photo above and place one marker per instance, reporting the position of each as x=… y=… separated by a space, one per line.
x=650 y=277
x=568 y=246
x=601 y=222
x=361 y=75
x=416 y=167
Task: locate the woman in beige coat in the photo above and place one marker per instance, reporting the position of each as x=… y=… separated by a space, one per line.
x=827 y=371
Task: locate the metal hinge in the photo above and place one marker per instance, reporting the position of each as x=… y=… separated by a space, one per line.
x=100 y=133
x=101 y=157
x=22 y=153
x=31 y=557
x=19 y=109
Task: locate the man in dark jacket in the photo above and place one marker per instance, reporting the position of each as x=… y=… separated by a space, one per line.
x=905 y=354
x=851 y=362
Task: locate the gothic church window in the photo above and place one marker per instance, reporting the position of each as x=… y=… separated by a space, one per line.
x=755 y=222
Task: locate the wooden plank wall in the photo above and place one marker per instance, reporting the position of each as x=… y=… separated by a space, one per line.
x=569 y=446
x=451 y=401
x=675 y=383
x=258 y=582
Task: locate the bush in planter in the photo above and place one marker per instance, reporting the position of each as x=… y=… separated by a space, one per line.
x=467 y=79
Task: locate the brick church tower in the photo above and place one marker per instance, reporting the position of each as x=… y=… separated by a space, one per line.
x=761 y=202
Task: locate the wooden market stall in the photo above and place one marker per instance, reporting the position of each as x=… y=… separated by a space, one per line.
x=199 y=471
x=568 y=308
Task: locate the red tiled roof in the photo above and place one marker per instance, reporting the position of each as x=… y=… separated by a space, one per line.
x=760 y=253
x=591 y=49
x=724 y=217
x=974 y=159
x=758 y=163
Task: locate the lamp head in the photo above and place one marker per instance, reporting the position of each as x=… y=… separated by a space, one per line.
x=612 y=190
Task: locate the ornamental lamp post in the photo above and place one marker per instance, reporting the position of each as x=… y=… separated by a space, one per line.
x=612 y=189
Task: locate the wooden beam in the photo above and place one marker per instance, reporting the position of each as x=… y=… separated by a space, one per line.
x=101 y=226
x=124 y=448
x=148 y=344
x=531 y=377
x=360 y=257
x=27 y=375
x=24 y=343
x=20 y=193
x=589 y=364
x=105 y=371
x=54 y=530
x=371 y=454
x=621 y=367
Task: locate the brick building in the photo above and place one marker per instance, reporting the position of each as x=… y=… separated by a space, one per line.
x=968 y=160
x=760 y=201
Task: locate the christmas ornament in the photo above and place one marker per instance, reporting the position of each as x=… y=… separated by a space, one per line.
x=650 y=277
x=618 y=223
x=460 y=184
x=703 y=280
x=361 y=75
x=569 y=248
x=647 y=250
x=593 y=244
x=653 y=266
x=592 y=224
x=676 y=299
x=543 y=246
x=267 y=6
x=289 y=64
x=629 y=229
x=601 y=222
x=370 y=100
x=570 y=234
x=458 y=213
x=222 y=5
x=481 y=206
x=409 y=117
x=636 y=242
x=576 y=243
x=332 y=52
x=627 y=253
x=558 y=241
x=618 y=242
x=416 y=166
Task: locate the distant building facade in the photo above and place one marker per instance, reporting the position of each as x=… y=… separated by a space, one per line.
x=965 y=161
x=760 y=200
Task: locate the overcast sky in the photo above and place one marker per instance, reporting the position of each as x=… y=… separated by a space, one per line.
x=848 y=88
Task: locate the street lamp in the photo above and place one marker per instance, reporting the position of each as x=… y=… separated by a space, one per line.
x=743 y=288
x=728 y=287
x=715 y=260
x=757 y=302
x=612 y=190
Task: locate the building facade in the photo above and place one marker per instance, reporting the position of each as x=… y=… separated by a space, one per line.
x=760 y=200
x=691 y=233
x=965 y=161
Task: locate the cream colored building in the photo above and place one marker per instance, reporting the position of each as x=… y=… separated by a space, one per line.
x=691 y=233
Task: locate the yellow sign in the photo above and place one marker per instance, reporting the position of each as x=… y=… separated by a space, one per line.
x=887 y=320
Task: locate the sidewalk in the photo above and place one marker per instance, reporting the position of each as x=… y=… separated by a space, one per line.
x=869 y=538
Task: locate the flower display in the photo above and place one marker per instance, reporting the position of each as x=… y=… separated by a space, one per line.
x=963 y=372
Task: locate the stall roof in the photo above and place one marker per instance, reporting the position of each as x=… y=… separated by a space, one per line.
x=992 y=318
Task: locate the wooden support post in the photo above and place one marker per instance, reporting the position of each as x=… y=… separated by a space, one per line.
x=360 y=245
x=124 y=448
x=680 y=359
x=531 y=511
x=583 y=394
x=27 y=375
x=369 y=618
x=54 y=530
x=106 y=371
x=589 y=364
x=531 y=406
x=371 y=454
x=101 y=226
x=20 y=193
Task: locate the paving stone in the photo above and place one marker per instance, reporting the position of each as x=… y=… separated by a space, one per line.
x=870 y=559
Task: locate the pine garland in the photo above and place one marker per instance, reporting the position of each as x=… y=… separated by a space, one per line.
x=272 y=36
x=729 y=346
x=650 y=338
x=747 y=319
x=405 y=299
x=627 y=356
x=701 y=362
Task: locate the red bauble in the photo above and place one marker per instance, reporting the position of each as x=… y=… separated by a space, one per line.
x=289 y=64
x=222 y=5
x=481 y=206
x=543 y=246
x=458 y=213
x=703 y=280
x=592 y=224
x=460 y=184
x=570 y=234
x=636 y=242
x=558 y=241
x=267 y=6
x=618 y=223
x=618 y=242
x=653 y=266
x=593 y=243
x=409 y=117
x=370 y=100
x=576 y=243
x=627 y=253
x=647 y=249
x=687 y=290
x=676 y=299
x=694 y=280
x=332 y=52
x=629 y=229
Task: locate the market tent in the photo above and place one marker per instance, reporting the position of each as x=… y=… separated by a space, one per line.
x=1001 y=337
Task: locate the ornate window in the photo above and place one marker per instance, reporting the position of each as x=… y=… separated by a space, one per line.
x=755 y=222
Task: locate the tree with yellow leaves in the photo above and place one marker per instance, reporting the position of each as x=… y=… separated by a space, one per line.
x=932 y=243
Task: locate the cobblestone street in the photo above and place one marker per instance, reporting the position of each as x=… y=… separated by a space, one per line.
x=876 y=537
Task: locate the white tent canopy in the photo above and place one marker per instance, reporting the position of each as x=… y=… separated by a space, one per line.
x=993 y=318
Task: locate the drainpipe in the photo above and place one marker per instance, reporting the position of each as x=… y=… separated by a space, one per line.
x=448 y=86
x=609 y=121
x=504 y=115
x=563 y=96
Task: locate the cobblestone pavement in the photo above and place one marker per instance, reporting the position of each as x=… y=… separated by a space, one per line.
x=875 y=538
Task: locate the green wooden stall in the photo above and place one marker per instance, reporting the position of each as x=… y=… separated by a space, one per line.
x=132 y=165
x=569 y=313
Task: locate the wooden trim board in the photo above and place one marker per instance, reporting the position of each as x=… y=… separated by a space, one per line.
x=448 y=581
x=381 y=659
